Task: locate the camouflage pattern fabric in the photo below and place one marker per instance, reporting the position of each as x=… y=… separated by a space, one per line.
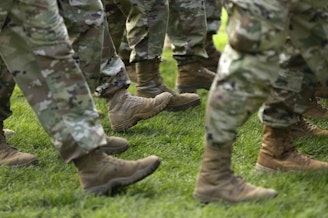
x=88 y=29
x=250 y=63
x=113 y=73
x=116 y=22
x=292 y=93
x=187 y=28
x=85 y=24
x=145 y=23
x=104 y=71
x=5 y=6
x=36 y=49
x=213 y=15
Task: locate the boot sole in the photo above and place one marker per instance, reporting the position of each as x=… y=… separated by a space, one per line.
x=207 y=199
x=183 y=107
x=112 y=185
x=126 y=124
x=32 y=162
x=191 y=89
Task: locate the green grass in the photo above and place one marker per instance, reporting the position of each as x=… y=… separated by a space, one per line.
x=52 y=188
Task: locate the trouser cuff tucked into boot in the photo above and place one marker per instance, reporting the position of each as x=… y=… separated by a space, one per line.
x=150 y=84
x=193 y=76
x=217 y=182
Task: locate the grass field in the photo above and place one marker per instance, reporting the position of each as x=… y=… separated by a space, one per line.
x=52 y=188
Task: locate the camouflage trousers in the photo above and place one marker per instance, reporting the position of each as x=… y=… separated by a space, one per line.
x=35 y=46
x=145 y=24
x=186 y=26
x=293 y=92
x=94 y=50
x=249 y=64
x=213 y=15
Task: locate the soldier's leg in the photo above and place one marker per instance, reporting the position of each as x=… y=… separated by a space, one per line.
x=315 y=54
x=116 y=24
x=85 y=24
x=9 y=155
x=146 y=28
x=277 y=140
x=55 y=88
x=104 y=70
x=247 y=68
x=124 y=109
x=213 y=18
x=292 y=96
x=187 y=30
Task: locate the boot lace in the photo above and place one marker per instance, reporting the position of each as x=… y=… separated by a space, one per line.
x=116 y=162
x=303 y=159
x=135 y=99
x=318 y=106
x=238 y=182
x=235 y=180
x=306 y=126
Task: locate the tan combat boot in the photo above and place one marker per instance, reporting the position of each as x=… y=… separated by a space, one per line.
x=115 y=145
x=102 y=174
x=10 y=156
x=150 y=85
x=304 y=128
x=193 y=76
x=126 y=110
x=316 y=109
x=214 y=55
x=217 y=182
x=278 y=153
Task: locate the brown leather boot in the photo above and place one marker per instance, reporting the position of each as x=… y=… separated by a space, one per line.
x=214 y=55
x=316 y=109
x=150 y=85
x=126 y=110
x=10 y=156
x=217 y=182
x=115 y=145
x=101 y=174
x=304 y=128
x=278 y=153
x=193 y=76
